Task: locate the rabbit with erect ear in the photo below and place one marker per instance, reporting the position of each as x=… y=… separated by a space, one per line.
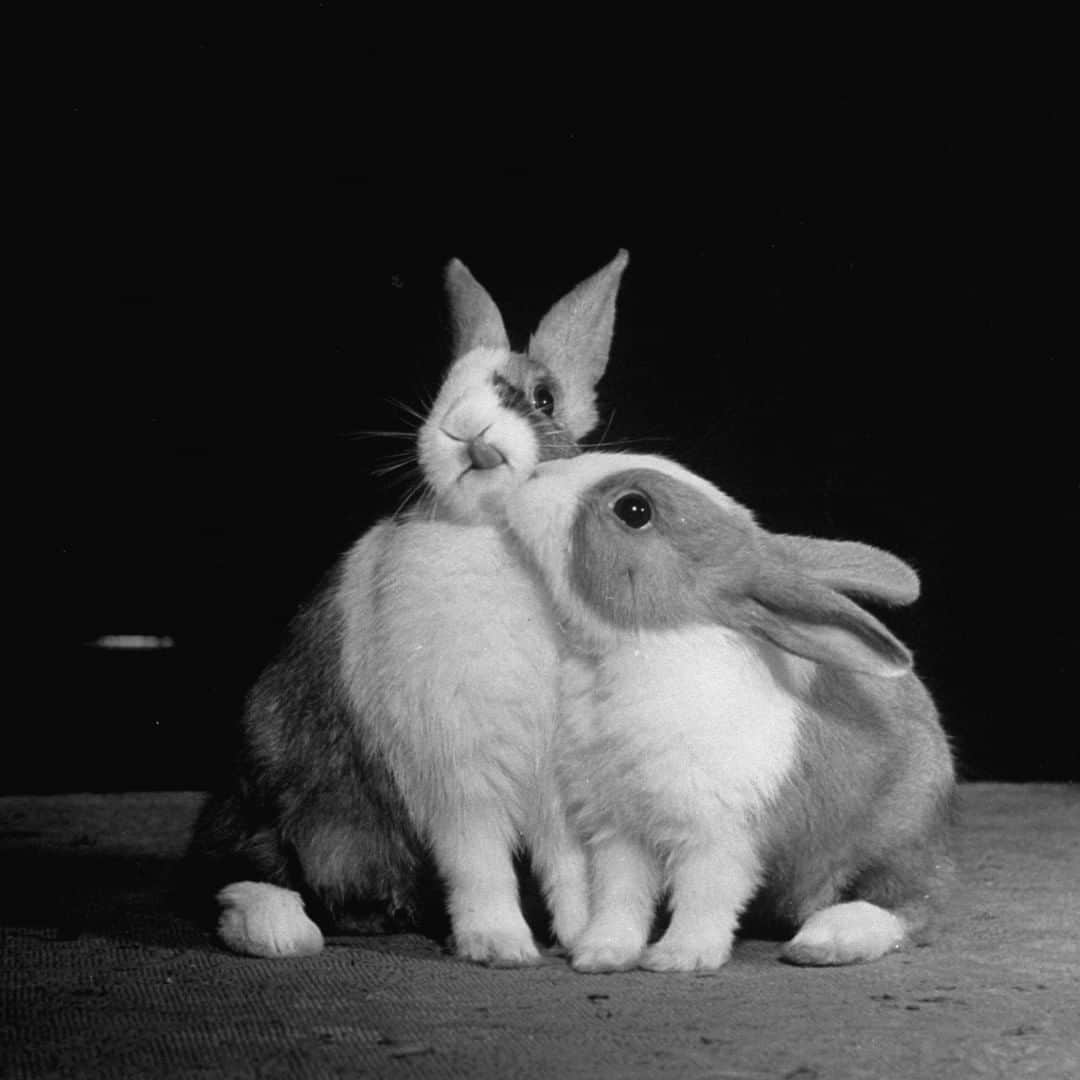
x=734 y=723
x=408 y=722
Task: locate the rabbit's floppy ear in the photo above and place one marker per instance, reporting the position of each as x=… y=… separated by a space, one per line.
x=574 y=338
x=808 y=618
x=850 y=567
x=476 y=319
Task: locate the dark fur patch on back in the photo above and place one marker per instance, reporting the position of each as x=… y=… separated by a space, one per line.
x=865 y=813
x=310 y=808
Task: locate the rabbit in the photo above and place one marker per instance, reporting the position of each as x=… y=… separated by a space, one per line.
x=733 y=725
x=406 y=725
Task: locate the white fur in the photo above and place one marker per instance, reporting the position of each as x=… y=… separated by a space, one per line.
x=468 y=406
x=688 y=736
x=265 y=920
x=666 y=761
x=458 y=690
x=846 y=934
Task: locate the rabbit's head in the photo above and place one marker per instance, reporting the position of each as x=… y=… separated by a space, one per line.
x=629 y=542
x=499 y=413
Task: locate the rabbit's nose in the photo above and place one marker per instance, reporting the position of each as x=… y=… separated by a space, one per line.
x=485 y=455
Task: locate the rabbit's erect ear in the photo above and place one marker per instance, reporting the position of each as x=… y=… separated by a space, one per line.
x=850 y=567
x=477 y=322
x=812 y=620
x=574 y=338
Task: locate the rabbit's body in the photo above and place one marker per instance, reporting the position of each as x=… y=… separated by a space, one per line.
x=702 y=754
x=407 y=725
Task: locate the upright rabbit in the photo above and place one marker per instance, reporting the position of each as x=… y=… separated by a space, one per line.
x=735 y=724
x=410 y=715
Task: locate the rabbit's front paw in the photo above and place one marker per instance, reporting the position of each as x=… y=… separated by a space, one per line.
x=264 y=920
x=569 y=924
x=686 y=956
x=595 y=953
x=496 y=948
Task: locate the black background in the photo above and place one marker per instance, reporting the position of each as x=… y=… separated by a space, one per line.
x=839 y=308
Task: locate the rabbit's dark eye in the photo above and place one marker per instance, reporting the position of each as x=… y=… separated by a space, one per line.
x=633 y=509
x=543 y=398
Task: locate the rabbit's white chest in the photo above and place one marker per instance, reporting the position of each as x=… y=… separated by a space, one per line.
x=450 y=657
x=675 y=733
x=457 y=610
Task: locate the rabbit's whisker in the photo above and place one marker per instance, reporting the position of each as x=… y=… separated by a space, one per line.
x=410 y=411
x=393 y=466
x=377 y=434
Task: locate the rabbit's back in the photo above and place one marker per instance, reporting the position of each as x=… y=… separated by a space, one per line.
x=871 y=793
x=312 y=806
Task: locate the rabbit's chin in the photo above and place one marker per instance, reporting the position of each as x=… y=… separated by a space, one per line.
x=479 y=496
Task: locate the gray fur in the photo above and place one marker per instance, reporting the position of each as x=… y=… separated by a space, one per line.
x=806 y=618
x=311 y=809
x=654 y=578
x=850 y=567
x=476 y=320
x=865 y=813
x=700 y=561
x=573 y=339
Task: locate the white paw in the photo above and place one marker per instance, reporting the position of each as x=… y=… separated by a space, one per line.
x=569 y=923
x=845 y=934
x=496 y=948
x=264 y=920
x=606 y=952
x=686 y=955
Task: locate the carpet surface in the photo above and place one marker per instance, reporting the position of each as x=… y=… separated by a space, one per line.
x=101 y=978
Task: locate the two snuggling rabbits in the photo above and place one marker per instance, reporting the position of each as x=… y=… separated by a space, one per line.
x=598 y=659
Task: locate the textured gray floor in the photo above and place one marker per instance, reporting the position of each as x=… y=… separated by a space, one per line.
x=99 y=979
